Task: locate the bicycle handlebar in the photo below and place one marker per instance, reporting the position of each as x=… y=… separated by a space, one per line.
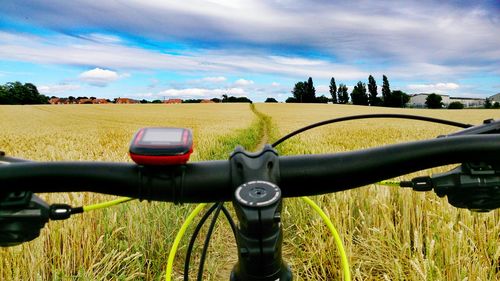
x=251 y=181
x=210 y=181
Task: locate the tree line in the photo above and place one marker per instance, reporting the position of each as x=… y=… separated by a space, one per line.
x=27 y=93
x=19 y=93
x=304 y=92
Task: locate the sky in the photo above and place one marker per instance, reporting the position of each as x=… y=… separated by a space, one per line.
x=254 y=48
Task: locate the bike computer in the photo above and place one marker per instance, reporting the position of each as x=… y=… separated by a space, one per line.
x=161 y=146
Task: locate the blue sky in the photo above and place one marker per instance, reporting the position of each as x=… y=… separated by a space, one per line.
x=203 y=49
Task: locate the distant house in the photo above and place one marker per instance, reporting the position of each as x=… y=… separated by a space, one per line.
x=100 y=101
x=54 y=100
x=126 y=101
x=59 y=101
x=495 y=98
x=418 y=100
x=207 y=101
x=85 y=101
x=169 y=101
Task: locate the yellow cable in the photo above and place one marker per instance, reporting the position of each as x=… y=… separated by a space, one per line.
x=177 y=241
x=106 y=204
x=197 y=210
x=389 y=183
x=336 y=237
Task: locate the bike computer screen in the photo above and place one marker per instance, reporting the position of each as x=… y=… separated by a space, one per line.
x=161 y=146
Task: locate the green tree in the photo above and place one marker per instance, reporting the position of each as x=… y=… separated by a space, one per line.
x=333 y=90
x=386 y=91
x=496 y=105
x=399 y=98
x=322 y=99
x=455 y=105
x=299 y=92
x=191 y=101
x=343 y=96
x=358 y=95
x=4 y=97
x=373 y=100
x=304 y=92
x=18 y=93
x=487 y=103
x=237 y=99
x=434 y=101
x=271 y=100
x=310 y=92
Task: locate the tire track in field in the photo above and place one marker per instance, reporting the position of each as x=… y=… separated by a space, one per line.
x=265 y=126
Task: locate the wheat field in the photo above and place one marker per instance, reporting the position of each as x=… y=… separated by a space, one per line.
x=389 y=234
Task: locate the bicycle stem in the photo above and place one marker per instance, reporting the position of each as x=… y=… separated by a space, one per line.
x=257 y=202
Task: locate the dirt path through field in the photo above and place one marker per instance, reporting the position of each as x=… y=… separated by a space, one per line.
x=230 y=259
x=265 y=127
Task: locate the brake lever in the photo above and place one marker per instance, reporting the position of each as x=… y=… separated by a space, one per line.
x=475 y=186
x=22 y=216
x=489 y=126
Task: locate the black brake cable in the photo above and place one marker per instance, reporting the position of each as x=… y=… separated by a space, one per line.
x=368 y=116
x=197 y=231
x=193 y=239
x=207 y=241
x=229 y=220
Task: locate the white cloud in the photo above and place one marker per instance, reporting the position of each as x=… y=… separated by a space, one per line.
x=103 y=38
x=296 y=61
x=243 y=82
x=434 y=88
x=81 y=52
x=410 y=31
x=275 y=84
x=201 y=93
x=322 y=89
x=57 y=89
x=217 y=79
x=99 y=77
x=87 y=53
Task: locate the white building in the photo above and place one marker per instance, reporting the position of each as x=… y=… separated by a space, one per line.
x=469 y=102
x=418 y=100
x=495 y=98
